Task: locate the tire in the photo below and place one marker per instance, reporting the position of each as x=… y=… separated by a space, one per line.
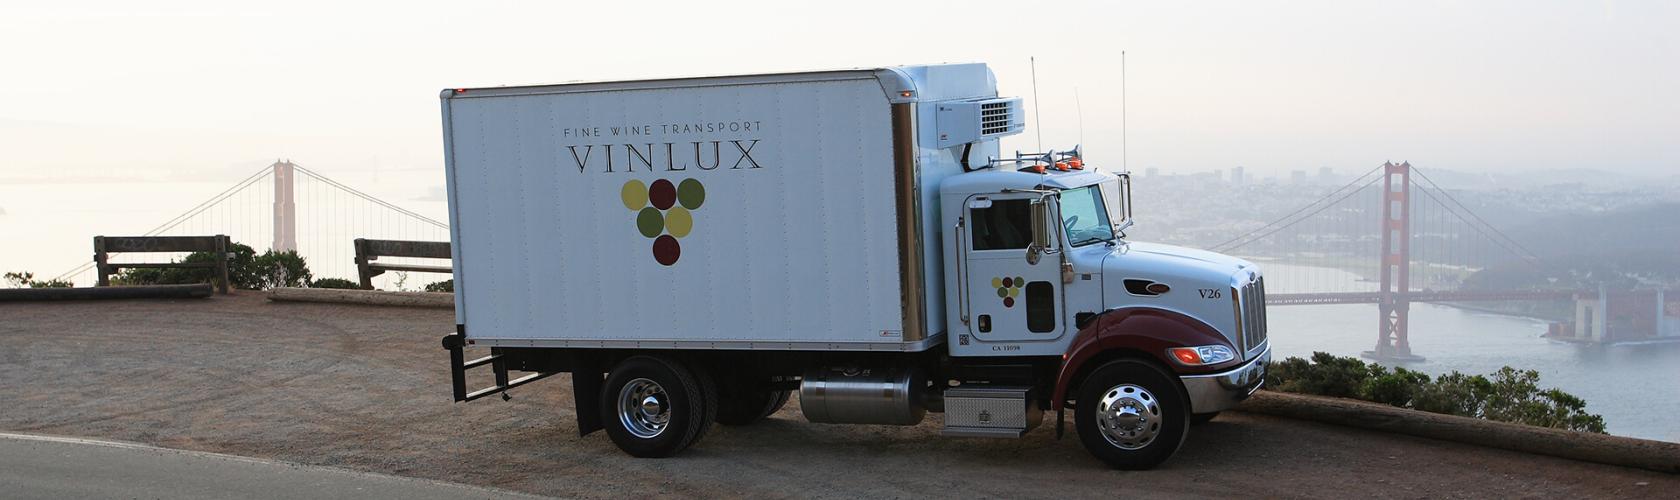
x=782 y=397
x=749 y=399
x=672 y=412
x=1149 y=418
x=709 y=398
x=1202 y=418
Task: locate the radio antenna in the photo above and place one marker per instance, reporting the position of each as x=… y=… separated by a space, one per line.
x=1079 y=107
x=1123 y=149
x=1038 y=124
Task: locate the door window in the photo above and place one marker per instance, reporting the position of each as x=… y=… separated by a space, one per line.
x=1041 y=307
x=1006 y=225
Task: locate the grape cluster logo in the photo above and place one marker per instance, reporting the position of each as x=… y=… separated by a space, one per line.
x=1008 y=288
x=664 y=212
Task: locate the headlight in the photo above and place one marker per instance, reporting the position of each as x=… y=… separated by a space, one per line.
x=1203 y=355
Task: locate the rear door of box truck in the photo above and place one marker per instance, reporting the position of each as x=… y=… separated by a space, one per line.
x=736 y=213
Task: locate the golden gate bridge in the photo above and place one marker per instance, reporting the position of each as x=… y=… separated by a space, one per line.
x=1426 y=247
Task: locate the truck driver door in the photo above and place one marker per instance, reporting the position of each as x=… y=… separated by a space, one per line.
x=1009 y=296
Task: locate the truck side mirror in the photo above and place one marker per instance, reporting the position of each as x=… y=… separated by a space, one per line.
x=1040 y=230
x=1126 y=181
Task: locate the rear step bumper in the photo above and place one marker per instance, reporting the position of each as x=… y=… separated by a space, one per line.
x=458 y=366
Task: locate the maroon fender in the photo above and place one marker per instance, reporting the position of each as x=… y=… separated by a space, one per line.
x=1147 y=330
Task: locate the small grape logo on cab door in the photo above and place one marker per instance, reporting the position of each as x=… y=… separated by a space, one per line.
x=664 y=213
x=1008 y=288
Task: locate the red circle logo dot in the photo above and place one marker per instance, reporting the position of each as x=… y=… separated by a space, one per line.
x=666 y=250
x=662 y=194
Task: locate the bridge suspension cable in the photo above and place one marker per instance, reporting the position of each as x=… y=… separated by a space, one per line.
x=1480 y=225
x=1297 y=216
x=184 y=216
x=370 y=198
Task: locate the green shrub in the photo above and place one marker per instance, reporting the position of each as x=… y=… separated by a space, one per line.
x=1511 y=395
x=339 y=283
x=246 y=270
x=1517 y=397
x=280 y=269
x=26 y=279
x=1396 y=388
x=242 y=271
x=1454 y=394
x=1327 y=375
x=447 y=285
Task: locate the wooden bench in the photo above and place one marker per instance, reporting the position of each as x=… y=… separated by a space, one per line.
x=218 y=245
x=369 y=251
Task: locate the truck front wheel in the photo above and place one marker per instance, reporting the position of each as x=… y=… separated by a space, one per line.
x=1131 y=414
x=653 y=407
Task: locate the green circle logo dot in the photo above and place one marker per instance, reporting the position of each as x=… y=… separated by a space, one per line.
x=650 y=222
x=691 y=194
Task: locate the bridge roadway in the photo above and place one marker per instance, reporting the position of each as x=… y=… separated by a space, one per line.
x=367 y=389
x=1297 y=299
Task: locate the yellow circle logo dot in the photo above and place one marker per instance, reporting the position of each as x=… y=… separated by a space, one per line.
x=678 y=222
x=634 y=194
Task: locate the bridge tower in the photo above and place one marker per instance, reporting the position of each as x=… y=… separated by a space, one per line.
x=285 y=207
x=1393 y=303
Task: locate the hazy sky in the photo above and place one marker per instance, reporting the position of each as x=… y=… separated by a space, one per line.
x=103 y=90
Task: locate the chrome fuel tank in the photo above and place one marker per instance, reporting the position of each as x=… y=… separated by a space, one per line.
x=863 y=395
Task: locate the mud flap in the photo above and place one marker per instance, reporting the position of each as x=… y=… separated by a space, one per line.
x=587 y=378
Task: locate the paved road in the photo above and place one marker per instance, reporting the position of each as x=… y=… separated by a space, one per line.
x=367 y=389
x=34 y=466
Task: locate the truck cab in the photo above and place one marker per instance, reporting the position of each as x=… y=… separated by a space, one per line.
x=1040 y=266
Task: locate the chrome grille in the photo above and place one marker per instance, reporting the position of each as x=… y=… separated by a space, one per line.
x=1252 y=314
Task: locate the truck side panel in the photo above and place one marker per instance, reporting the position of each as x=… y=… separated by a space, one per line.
x=756 y=213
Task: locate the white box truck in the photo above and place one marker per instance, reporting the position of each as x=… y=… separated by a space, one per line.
x=693 y=250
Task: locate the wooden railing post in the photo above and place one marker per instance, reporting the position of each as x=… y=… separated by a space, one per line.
x=362 y=270
x=223 y=253
x=100 y=262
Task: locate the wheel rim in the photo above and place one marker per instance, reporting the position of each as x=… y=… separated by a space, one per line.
x=1129 y=416
x=644 y=408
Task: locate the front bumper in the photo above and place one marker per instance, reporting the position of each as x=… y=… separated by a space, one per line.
x=1222 y=391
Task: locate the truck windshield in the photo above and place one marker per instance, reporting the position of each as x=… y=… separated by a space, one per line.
x=1084 y=216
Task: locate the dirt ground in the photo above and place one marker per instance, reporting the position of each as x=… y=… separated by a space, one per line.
x=367 y=388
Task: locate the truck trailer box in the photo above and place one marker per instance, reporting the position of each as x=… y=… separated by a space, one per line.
x=756 y=212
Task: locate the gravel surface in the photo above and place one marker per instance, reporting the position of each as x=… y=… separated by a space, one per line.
x=367 y=388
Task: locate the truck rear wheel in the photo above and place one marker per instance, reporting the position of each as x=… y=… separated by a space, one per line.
x=751 y=407
x=653 y=407
x=1131 y=414
x=709 y=398
x=748 y=399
